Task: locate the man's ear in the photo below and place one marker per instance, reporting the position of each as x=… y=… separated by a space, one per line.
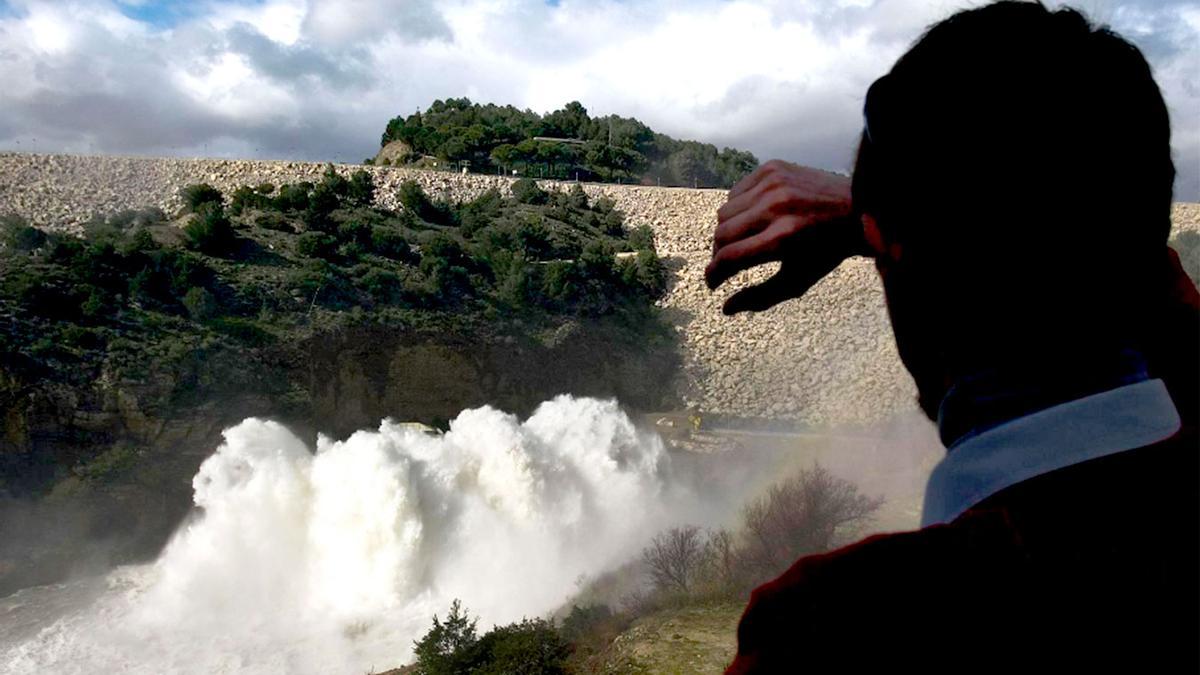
x=888 y=252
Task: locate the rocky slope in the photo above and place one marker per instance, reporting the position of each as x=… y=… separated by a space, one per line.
x=826 y=359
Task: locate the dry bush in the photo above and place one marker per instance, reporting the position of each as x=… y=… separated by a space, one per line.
x=811 y=512
x=674 y=558
x=719 y=570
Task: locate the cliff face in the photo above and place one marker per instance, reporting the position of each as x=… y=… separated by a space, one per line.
x=114 y=459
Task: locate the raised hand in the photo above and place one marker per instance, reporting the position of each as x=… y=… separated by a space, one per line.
x=796 y=215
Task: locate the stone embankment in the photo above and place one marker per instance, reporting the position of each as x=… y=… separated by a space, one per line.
x=828 y=358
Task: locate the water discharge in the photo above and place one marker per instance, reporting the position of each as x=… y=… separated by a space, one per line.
x=334 y=561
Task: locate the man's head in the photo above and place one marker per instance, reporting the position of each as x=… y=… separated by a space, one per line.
x=1017 y=164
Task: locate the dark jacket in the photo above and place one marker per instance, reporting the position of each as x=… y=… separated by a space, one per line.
x=1091 y=568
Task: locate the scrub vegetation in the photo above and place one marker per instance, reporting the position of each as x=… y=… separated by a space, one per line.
x=567 y=143
x=693 y=586
x=220 y=297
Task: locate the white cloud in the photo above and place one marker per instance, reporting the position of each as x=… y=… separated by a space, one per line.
x=278 y=20
x=318 y=79
x=340 y=22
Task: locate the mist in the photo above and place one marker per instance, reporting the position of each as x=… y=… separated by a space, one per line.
x=335 y=560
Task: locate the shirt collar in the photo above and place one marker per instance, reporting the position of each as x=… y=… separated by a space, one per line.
x=994 y=396
x=982 y=464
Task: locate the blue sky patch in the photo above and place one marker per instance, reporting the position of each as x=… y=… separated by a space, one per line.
x=164 y=14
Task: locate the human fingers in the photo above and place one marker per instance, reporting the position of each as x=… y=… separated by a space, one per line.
x=752 y=211
x=818 y=194
x=802 y=267
x=768 y=168
x=762 y=296
x=765 y=246
x=743 y=225
x=747 y=200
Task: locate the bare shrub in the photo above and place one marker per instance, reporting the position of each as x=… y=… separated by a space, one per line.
x=720 y=562
x=808 y=513
x=674 y=558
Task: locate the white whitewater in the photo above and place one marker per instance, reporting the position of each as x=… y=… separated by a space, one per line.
x=335 y=561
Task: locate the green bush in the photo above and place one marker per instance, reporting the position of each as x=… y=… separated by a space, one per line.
x=274 y=221
x=18 y=236
x=584 y=621
x=200 y=304
x=44 y=347
x=529 y=647
x=317 y=245
x=384 y=286
x=518 y=286
x=526 y=191
x=613 y=223
x=242 y=330
x=416 y=202
x=447 y=648
x=560 y=283
x=247 y=197
x=577 y=198
x=322 y=202
x=641 y=238
x=354 y=231
x=210 y=231
x=65 y=250
x=293 y=197
x=163 y=278
x=97 y=304
x=533 y=240
x=350 y=252
x=596 y=261
x=195 y=195
x=446 y=264
x=116 y=227
x=612 y=148
x=389 y=243
x=645 y=273
x=480 y=212
x=81 y=337
x=334 y=182
x=361 y=189
x=140 y=241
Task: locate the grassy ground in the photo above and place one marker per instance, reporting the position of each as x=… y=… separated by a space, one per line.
x=693 y=639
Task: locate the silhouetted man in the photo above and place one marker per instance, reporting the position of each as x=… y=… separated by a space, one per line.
x=1013 y=185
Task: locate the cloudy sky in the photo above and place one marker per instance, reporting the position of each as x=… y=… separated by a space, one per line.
x=318 y=79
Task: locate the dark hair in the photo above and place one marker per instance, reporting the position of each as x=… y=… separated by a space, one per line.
x=1022 y=158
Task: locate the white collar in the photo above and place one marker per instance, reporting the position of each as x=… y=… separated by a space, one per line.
x=1128 y=417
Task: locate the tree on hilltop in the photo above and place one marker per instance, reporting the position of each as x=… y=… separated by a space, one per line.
x=565 y=143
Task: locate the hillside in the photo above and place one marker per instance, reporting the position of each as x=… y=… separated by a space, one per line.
x=125 y=351
x=731 y=366
x=566 y=143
